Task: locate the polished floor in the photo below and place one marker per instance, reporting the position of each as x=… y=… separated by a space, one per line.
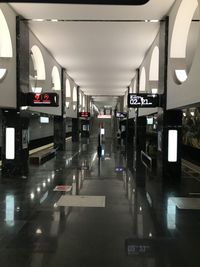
x=137 y=227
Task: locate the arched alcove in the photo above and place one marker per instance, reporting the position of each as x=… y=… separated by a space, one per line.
x=142 y=87
x=67 y=93
x=56 y=83
x=135 y=86
x=68 y=89
x=179 y=40
x=154 y=70
x=6 y=49
x=38 y=63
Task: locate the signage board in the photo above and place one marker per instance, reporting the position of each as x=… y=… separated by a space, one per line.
x=120 y=115
x=143 y=100
x=85 y=2
x=42 y=100
x=104 y=116
x=140 y=247
x=84 y=114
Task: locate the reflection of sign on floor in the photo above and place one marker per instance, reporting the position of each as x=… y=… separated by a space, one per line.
x=63 y=188
x=140 y=247
x=119 y=169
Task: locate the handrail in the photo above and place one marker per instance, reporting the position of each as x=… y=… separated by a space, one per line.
x=148 y=163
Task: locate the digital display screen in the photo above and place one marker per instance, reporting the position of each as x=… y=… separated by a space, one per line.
x=143 y=100
x=120 y=114
x=140 y=247
x=149 y=121
x=44 y=120
x=84 y=114
x=42 y=100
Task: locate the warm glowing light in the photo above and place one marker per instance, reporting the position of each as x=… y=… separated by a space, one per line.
x=10 y=143
x=181 y=75
x=2 y=73
x=172 y=145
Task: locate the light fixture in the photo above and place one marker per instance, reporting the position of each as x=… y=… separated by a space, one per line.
x=192 y=113
x=32 y=195
x=38 y=231
x=172 y=145
x=10 y=143
x=54 y=20
x=24 y=107
x=37 y=90
x=67 y=104
x=74 y=107
x=2 y=73
x=184 y=114
x=154 y=90
x=38 y=189
x=181 y=75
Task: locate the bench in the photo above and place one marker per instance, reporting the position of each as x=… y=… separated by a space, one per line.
x=42 y=156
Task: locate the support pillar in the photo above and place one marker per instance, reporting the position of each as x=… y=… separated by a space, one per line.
x=15 y=149
x=59 y=132
x=130 y=143
x=75 y=130
x=139 y=145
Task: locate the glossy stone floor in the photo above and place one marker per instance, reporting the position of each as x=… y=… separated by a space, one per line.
x=142 y=221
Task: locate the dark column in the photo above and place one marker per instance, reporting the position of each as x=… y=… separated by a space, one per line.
x=59 y=132
x=18 y=164
x=60 y=121
x=139 y=145
x=85 y=128
x=130 y=143
x=75 y=130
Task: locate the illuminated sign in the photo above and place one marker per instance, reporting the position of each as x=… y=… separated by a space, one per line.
x=104 y=116
x=120 y=115
x=143 y=100
x=84 y=114
x=83 y=2
x=140 y=247
x=42 y=100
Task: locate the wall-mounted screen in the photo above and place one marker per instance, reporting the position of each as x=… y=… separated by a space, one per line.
x=44 y=119
x=143 y=100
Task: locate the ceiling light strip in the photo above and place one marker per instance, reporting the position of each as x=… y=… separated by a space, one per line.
x=96 y=20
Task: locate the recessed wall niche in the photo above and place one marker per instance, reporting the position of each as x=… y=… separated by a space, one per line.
x=184 y=42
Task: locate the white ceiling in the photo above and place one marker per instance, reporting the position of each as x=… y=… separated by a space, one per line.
x=101 y=57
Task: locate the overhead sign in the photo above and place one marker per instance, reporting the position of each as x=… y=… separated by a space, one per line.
x=143 y=100
x=93 y=2
x=42 y=100
x=120 y=115
x=84 y=114
x=104 y=116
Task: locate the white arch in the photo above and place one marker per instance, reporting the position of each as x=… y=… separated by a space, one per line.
x=181 y=28
x=143 y=80
x=56 y=79
x=74 y=94
x=38 y=62
x=6 y=49
x=135 y=86
x=80 y=98
x=68 y=89
x=154 y=65
x=83 y=101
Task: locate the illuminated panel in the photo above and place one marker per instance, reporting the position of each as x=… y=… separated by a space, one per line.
x=44 y=120
x=10 y=143
x=172 y=145
x=104 y=116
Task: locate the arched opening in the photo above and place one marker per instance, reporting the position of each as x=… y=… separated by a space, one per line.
x=181 y=54
x=143 y=80
x=6 y=50
x=154 y=70
x=67 y=93
x=55 y=76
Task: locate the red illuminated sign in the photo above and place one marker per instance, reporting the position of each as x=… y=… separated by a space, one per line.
x=84 y=114
x=43 y=99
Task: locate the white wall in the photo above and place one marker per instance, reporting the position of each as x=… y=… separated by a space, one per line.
x=8 y=85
